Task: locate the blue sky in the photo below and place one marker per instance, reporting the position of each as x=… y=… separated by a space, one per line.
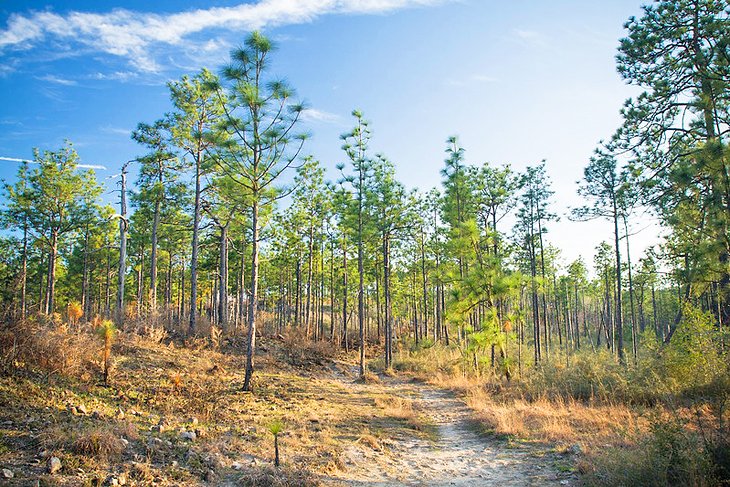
x=517 y=81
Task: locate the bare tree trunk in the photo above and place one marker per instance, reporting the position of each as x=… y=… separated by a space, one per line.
x=122 y=247
x=153 y=259
x=223 y=279
x=194 y=257
x=51 y=284
x=24 y=274
x=253 y=302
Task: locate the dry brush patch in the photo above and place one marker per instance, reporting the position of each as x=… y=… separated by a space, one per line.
x=161 y=388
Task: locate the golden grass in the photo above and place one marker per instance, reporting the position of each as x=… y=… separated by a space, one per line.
x=557 y=421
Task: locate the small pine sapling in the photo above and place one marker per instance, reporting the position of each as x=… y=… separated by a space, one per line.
x=276 y=427
x=106 y=331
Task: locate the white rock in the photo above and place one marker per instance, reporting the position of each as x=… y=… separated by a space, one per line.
x=7 y=473
x=188 y=435
x=54 y=465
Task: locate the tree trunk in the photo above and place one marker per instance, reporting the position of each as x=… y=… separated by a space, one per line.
x=619 y=308
x=253 y=302
x=194 y=257
x=223 y=279
x=122 y=248
x=51 y=284
x=153 y=260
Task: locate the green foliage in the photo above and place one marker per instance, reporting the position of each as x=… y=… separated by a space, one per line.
x=276 y=427
x=670 y=455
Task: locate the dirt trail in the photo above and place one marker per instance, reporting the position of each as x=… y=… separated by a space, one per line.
x=457 y=456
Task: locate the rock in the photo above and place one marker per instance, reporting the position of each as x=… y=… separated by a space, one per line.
x=188 y=435
x=7 y=473
x=82 y=409
x=574 y=450
x=122 y=478
x=54 y=465
x=565 y=482
x=73 y=410
x=125 y=442
x=237 y=466
x=193 y=421
x=174 y=464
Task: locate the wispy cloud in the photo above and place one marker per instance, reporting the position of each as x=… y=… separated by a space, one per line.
x=56 y=80
x=136 y=35
x=530 y=37
x=80 y=166
x=116 y=131
x=314 y=115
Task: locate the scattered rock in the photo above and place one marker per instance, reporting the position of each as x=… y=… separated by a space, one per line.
x=237 y=466
x=125 y=442
x=574 y=450
x=174 y=464
x=82 y=409
x=7 y=473
x=54 y=465
x=188 y=435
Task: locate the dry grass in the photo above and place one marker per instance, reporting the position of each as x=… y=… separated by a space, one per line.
x=160 y=383
x=563 y=422
x=48 y=346
x=101 y=443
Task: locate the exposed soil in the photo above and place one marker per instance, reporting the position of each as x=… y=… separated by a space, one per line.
x=455 y=454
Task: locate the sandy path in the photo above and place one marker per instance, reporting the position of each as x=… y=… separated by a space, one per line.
x=458 y=456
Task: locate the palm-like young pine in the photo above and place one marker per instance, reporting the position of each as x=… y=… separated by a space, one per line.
x=259 y=144
x=106 y=331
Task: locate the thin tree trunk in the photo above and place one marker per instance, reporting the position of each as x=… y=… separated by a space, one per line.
x=122 y=247
x=251 y=341
x=195 y=248
x=223 y=279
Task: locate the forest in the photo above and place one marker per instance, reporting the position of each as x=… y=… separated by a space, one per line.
x=226 y=251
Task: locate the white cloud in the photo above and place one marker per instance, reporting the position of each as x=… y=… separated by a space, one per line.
x=55 y=79
x=314 y=115
x=133 y=35
x=116 y=131
x=531 y=37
